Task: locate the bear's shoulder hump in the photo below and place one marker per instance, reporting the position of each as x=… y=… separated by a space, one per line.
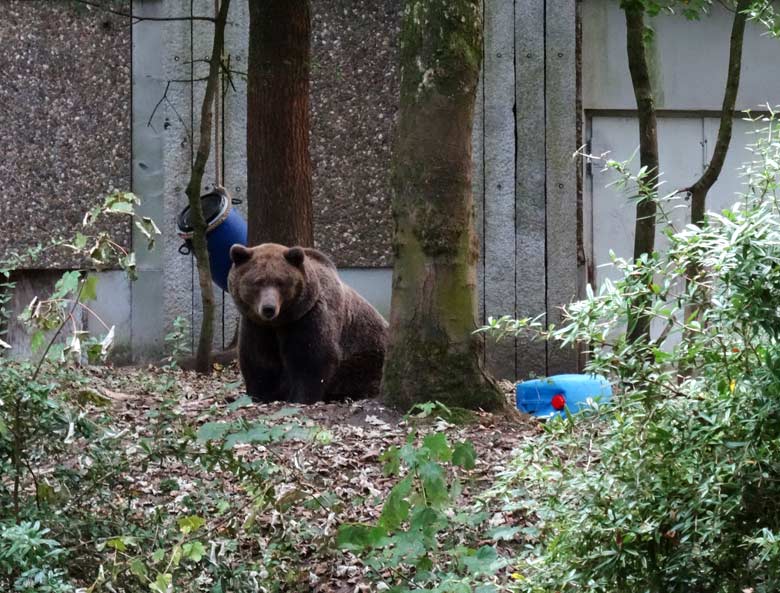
x=317 y=255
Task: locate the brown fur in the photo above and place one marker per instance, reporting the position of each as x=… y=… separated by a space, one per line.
x=304 y=336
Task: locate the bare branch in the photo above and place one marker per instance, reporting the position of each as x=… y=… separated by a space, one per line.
x=138 y=19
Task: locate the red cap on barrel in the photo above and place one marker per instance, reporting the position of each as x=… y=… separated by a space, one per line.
x=558 y=401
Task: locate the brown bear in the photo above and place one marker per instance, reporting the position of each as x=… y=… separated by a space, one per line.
x=304 y=335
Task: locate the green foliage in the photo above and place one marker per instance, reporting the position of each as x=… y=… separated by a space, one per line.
x=178 y=340
x=37 y=425
x=422 y=540
x=674 y=487
x=27 y=558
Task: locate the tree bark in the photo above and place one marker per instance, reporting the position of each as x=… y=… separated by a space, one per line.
x=278 y=162
x=701 y=188
x=646 y=208
x=644 y=237
x=432 y=352
x=197 y=219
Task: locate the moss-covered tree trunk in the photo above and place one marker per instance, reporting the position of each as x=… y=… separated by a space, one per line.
x=433 y=354
x=278 y=162
x=197 y=219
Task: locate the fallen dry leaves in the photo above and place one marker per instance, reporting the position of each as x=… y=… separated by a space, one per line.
x=344 y=464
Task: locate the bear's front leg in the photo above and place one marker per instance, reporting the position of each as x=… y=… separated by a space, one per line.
x=261 y=364
x=310 y=355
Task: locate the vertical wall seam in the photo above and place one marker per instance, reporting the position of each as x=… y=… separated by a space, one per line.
x=546 y=245
x=220 y=97
x=484 y=179
x=515 y=112
x=132 y=160
x=192 y=160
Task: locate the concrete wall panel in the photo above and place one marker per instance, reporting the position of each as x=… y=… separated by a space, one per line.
x=689 y=60
x=561 y=181
x=530 y=190
x=499 y=177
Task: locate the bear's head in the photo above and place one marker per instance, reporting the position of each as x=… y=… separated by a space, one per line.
x=270 y=284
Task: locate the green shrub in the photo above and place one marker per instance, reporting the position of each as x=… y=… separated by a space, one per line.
x=674 y=487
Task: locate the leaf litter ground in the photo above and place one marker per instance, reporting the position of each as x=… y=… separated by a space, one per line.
x=319 y=483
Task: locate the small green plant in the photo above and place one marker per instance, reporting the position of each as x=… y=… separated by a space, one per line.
x=178 y=340
x=422 y=541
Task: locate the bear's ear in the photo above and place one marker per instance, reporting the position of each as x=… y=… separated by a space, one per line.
x=295 y=256
x=240 y=254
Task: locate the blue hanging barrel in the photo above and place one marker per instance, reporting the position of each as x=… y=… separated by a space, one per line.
x=225 y=228
x=553 y=395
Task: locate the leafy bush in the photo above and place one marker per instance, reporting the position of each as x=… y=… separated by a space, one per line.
x=27 y=557
x=674 y=487
x=422 y=541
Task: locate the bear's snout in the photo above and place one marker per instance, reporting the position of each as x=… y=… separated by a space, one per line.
x=269 y=304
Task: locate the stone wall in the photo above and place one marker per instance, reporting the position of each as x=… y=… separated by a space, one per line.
x=354 y=98
x=64 y=121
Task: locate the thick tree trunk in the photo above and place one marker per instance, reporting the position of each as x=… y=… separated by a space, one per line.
x=203 y=355
x=702 y=186
x=278 y=163
x=644 y=230
x=433 y=354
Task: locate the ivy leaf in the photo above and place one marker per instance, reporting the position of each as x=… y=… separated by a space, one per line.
x=286 y=412
x=484 y=561
x=438 y=446
x=138 y=568
x=121 y=543
x=396 y=507
x=148 y=229
x=392 y=461
x=161 y=583
x=503 y=533
x=434 y=484
x=259 y=433
x=356 y=537
x=212 y=431
x=120 y=202
x=67 y=284
x=241 y=402
x=464 y=455
x=191 y=523
x=193 y=551
x=89 y=291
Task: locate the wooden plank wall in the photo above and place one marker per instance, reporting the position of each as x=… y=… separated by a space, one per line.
x=527 y=194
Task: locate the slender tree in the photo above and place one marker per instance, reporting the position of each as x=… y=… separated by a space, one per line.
x=702 y=186
x=644 y=236
x=433 y=354
x=278 y=162
x=646 y=211
x=193 y=191
x=699 y=190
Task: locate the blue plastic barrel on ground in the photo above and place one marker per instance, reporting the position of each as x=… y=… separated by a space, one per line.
x=225 y=228
x=546 y=397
